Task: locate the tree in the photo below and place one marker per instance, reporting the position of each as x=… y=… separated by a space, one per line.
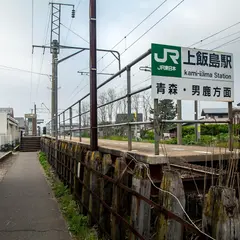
x=166 y=111
x=85 y=117
x=146 y=105
x=122 y=104
x=111 y=96
x=136 y=102
x=102 y=111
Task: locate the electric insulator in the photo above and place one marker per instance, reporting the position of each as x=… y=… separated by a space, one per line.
x=73 y=13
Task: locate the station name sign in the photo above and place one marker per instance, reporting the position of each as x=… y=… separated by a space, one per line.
x=191 y=74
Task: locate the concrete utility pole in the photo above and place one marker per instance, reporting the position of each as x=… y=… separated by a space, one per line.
x=53 y=98
x=93 y=76
x=54 y=105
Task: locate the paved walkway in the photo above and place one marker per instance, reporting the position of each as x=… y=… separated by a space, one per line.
x=28 y=210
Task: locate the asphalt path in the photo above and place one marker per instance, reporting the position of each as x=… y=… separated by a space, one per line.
x=28 y=209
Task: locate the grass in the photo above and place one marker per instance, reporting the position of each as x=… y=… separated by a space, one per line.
x=77 y=223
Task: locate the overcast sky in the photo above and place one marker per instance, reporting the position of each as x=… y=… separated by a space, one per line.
x=192 y=21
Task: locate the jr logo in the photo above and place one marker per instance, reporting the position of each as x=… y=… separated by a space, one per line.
x=166 y=60
x=173 y=54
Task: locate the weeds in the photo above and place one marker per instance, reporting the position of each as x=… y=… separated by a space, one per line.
x=77 y=223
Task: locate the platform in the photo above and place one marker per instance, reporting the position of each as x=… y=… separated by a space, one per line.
x=168 y=153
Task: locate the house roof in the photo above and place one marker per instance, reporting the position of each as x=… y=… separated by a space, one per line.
x=7 y=110
x=214 y=111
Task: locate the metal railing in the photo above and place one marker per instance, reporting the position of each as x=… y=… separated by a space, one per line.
x=66 y=125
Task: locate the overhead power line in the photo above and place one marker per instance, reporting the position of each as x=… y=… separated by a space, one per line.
x=79 y=90
x=22 y=70
x=129 y=33
x=212 y=35
x=78 y=4
x=44 y=42
x=154 y=25
x=138 y=25
x=226 y=43
x=75 y=33
x=32 y=55
x=219 y=39
x=143 y=33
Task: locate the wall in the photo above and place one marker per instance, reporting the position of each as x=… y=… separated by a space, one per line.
x=9 y=130
x=3 y=123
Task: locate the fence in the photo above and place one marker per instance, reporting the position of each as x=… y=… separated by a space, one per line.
x=115 y=193
x=70 y=120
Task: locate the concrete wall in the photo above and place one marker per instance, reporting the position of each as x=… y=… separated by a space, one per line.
x=3 y=123
x=9 y=130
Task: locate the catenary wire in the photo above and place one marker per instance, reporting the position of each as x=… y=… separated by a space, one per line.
x=70 y=25
x=219 y=39
x=75 y=33
x=154 y=25
x=214 y=34
x=44 y=41
x=226 y=43
x=129 y=33
x=145 y=31
x=4 y=67
x=138 y=25
x=31 y=77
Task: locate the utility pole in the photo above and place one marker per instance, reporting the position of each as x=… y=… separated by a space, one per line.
x=54 y=105
x=93 y=76
x=54 y=50
x=53 y=98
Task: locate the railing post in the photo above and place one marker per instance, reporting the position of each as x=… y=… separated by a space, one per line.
x=179 y=125
x=59 y=125
x=129 y=108
x=80 y=120
x=230 y=126
x=64 y=124
x=156 y=134
x=70 y=113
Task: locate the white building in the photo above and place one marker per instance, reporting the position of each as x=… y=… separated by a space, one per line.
x=9 y=130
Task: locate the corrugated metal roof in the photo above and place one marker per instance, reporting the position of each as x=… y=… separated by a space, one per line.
x=214 y=111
